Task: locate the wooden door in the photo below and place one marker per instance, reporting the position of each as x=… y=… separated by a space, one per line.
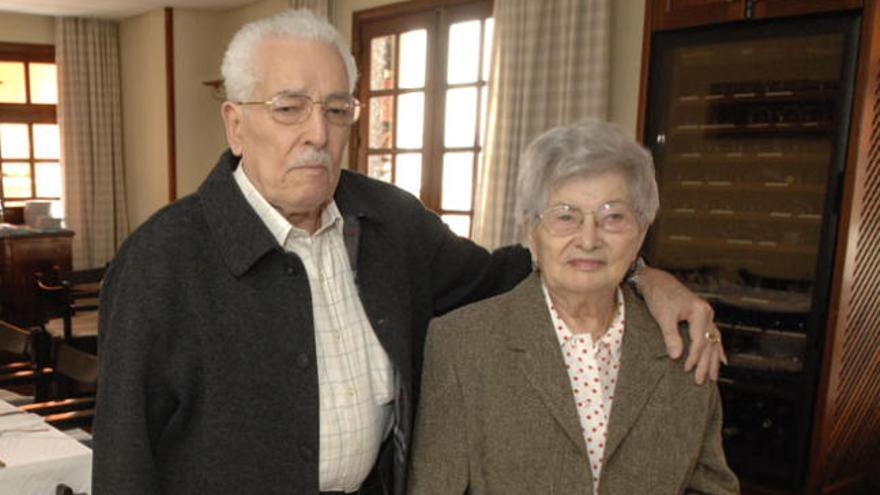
x=676 y=14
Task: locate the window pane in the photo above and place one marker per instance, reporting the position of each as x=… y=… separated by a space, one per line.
x=410 y=120
x=48 y=177
x=489 y=28
x=47 y=143
x=379 y=167
x=461 y=117
x=463 y=60
x=413 y=52
x=460 y=224
x=44 y=84
x=484 y=110
x=457 y=181
x=409 y=173
x=14 y=141
x=381 y=112
x=16 y=180
x=12 y=89
x=382 y=62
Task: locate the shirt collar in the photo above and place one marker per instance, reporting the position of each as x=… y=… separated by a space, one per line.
x=613 y=336
x=280 y=227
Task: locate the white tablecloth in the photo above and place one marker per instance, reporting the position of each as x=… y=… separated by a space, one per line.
x=37 y=461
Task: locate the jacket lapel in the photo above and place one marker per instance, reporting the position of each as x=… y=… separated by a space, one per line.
x=642 y=365
x=540 y=358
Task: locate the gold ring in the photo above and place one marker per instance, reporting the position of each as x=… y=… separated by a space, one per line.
x=713 y=337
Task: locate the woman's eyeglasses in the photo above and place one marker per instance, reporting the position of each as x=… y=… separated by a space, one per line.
x=613 y=217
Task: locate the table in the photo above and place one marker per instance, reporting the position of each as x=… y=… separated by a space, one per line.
x=24 y=251
x=39 y=457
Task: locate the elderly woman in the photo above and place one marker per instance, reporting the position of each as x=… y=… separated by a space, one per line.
x=563 y=385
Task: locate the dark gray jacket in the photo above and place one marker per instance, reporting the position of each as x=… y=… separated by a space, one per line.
x=208 y=382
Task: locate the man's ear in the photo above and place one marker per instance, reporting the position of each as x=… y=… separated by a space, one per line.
x=232 y=120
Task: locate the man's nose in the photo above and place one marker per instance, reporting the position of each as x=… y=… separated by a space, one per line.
x=316 y=127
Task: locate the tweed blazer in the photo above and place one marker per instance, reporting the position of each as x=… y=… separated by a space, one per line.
x=497 y=414
x=208 y=375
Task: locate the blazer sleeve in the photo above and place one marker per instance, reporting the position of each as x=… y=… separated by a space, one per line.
x=712 y=475
x=128 y=394
x=439 y=464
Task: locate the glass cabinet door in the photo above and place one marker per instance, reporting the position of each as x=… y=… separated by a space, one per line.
x=748 y=126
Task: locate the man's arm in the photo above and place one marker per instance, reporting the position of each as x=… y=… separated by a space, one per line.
x=671 y=302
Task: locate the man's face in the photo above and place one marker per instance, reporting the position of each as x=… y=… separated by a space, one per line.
x=279 y=159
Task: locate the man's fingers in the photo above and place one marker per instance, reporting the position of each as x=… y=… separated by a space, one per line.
x=672 y=338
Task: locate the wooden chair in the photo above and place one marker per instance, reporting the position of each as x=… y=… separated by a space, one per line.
x=64 y=393
x=24 y=358
x=68 y=302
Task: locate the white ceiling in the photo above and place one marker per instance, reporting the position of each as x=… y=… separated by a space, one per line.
x=117 y=9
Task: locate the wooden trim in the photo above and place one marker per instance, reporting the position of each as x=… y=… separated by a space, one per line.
x=27 y=52
x=21 y=113
x=403 y=8
x=647 y=33
x=169 y=100
x=858 y=158
x=768 y=9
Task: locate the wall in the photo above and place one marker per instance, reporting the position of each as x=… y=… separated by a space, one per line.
x=142 y=60
x=627 y=24
x=200 y=38
x=199 y=41
x=24 y=28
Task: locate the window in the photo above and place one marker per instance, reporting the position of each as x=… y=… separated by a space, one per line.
x=30 y=145
x=425 y=70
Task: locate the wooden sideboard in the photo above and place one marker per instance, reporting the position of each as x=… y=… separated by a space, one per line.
x=24 y=252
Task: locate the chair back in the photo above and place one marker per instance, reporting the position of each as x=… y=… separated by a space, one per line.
x=68 y=302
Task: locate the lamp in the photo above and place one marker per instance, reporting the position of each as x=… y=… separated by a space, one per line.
x=217 y=91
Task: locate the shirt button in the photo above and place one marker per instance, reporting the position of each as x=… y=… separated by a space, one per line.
x=303 y=361
x=306 y=453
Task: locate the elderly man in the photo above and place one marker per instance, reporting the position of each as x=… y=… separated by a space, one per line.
x=264 y=335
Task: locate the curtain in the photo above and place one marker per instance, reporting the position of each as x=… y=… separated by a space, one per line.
x=89 y=116
x=320 y=7
x=550 y=66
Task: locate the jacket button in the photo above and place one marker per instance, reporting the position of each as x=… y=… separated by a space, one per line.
x=303 y=361
x=306 y=453
x=290 y=269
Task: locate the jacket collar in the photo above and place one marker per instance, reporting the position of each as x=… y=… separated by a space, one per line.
x=642 y=363
x=241 y=235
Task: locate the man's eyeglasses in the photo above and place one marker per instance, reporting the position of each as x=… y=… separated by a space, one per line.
x=613 y=217
x=289 y=108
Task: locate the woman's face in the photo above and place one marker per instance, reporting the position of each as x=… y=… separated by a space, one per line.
x=594 y=257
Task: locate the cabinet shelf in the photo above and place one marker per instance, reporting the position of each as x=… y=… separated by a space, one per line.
x=743 y=187
x=733 y=244
x=743 y=216
x=699 y=158
x=778 y=96
x=762 y=129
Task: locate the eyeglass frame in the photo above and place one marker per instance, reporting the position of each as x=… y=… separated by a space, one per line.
x=354 y=102
x=594 y=212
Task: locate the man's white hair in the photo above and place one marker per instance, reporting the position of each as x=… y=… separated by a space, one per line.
x=239 y=68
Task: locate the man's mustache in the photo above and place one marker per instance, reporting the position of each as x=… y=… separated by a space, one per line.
x=313 y=158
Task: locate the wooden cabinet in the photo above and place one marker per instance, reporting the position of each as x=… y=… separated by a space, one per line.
x=23 y=253
x=728 y=135
x=677 y=14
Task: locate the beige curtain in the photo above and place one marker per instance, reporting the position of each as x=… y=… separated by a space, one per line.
x=320 y=7
x=550 y=66
x=89 y=115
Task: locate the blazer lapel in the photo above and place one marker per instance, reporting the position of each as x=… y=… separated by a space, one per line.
x=642 y=365
x=540 y=357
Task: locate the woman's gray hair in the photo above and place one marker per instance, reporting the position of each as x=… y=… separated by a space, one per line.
x=239 y=69
x=583 y=149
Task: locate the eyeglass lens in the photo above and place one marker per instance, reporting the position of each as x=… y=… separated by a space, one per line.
x=610 y=217
x=294 y=109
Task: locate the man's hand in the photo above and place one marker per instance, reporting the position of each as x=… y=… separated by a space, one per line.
x=671 y=302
